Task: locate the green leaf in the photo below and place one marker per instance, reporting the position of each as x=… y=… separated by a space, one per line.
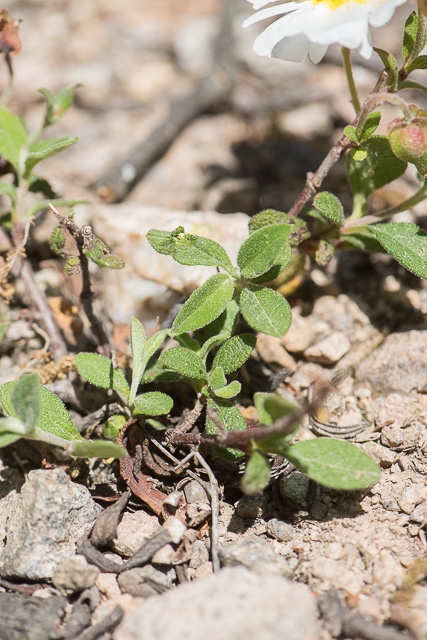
x=257 y=474
x=265 y=310
x=362 y=239
x=272 y=407
x=407 y=243
x=112 y=427
x=378 y=168
x=324 y=253
x=334 y=463
x=54 y=418
x=266 y=218
x=97 y=449
x=214 y=341
x=13 y=137
x=390 y=64
x=234 y=353
x=330 y=207
x=98 y=252
x=161 y=241
x=41 y=185
x=57 y=202
x=57 y=104
x=8 y=437
x=138 y=343
x=350 y=132
x=367 y=127
x=260 y=251
x=280 y=264
x=99 y=370
x=411 y=84
x=224 y=324
x=217 y=378
x=418 y=63
x=153 y=403
x=186 y=362
x=230 y=390
x=7 y=189
x=26 y=400
x=43 y=149
x=186 y=341
x=205 y=304
x=57 y=240
x=194 y=250
x=410 y=39
x=231 y=419
x=157 y=372
x=154 y=343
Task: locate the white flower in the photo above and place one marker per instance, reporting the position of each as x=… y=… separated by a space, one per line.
x=310 y=26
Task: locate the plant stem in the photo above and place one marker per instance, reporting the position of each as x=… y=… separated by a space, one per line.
x=418 y=197
x=346 y=56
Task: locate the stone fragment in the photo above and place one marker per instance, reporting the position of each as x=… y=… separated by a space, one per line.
x=399 y=364
x=329 y=350
x=74 y=574
x=255 y=555
x=271 y=351
x=298 y=339
x=143 y=582
x=194 y=492
x=419 y=514
x=382 y=455
x=46 y=520
x=200 y=554
x=293 y=490
x=31 y=618
x=133 y=530
x=398 y=407
x=251 y=506
x=282 y=531
x=232 y=604
x=412 y=496
x=108 y=586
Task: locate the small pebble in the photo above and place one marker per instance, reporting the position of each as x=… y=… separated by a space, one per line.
x=280 y=530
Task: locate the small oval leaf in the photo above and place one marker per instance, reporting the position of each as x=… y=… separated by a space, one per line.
x=205 y=304
x=260 y=251
x=153 y=403
x=99 y=370
x=257 y=474
x=265 y=310
x=97 y=449
x=234 y=352
x=184 y=361
x=407 y=243
x=330 y=207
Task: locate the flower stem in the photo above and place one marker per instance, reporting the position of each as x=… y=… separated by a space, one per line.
x=346 y=55
x=418 y=197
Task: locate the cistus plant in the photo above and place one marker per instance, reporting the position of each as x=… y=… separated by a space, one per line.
x=208 y=353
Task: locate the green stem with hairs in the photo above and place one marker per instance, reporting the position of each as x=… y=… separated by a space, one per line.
x=346 y=56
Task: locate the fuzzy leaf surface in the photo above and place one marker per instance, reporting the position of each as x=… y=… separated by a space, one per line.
x=42 y=149
x=26 y=400
x=54 y=418
x=229 y=390
x=97 y=449
x=272 y=407
x=224 y=324
x=334 y=463
x=153 y=403
x=194 y=250
x=407 y=243
x=185 y=362
x=205 y=304
x=138 y=343
x=99 y=370
x=231 y=419
x=257 y=474
x=265 y=310
x=330 y=207
x=234 y=352
x=7 y=189
x=260 y=251
x=13 y=137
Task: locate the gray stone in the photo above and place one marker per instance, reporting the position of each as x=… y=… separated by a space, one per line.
x=329 y=350
x=74 y=574
x=200 y=554
x=46 y=520
x=399 y=364
x=133 y=530
x=233 y=604
x=412 y=496
x=144 y=582
x=293 y=490
x=255 y=555
x=251 y=506
x=31 y=618
x=194 y=492
x=382 y=455
x=280 y=530
x=419 y=514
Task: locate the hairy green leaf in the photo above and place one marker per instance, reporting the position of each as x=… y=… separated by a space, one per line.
x=161 y=241
x=272 y=407
x=26 y=400
x=409 y=51
x=57 y=240
x=186 y=362
x=138 y=343
x=351 y=134
x=390 y=64
x=330 y=207
x=99 y=370
x=194 y=250
x=13 y=137
x=407 y=243
x=362 y=239
x=379 y=167
x=412 y=84
x=334 y=463
x=230 y=390
x=418 y=63
x=231 y=419
x=224 y=324
x=153 y=403
x=46 y=148
x=257 y=474
x=7 y=189
x=234 y=352
x=280 y=264
x=98 y=252
x=367 y=127
x=205 y=304
x=214 y=341
x=261 y=250
x=217 y=378
x=57 y=104
x=54 y=418
x=265 y=310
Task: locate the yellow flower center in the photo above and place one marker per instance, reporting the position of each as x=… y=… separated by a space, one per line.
x=336 y=4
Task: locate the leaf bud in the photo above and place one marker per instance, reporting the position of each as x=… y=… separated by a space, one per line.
x=408 y=140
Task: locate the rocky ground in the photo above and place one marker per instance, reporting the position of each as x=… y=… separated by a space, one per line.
x=300 y=561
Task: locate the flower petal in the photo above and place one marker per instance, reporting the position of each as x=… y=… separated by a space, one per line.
x=272 y=11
